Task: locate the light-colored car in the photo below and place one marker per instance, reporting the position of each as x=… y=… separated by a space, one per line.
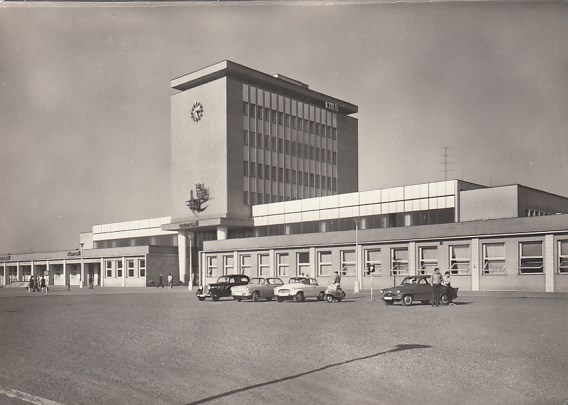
x=300 y=288
x=257 y=288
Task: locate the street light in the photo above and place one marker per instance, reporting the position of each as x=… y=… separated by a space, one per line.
x=356 y=287
x=82 y=267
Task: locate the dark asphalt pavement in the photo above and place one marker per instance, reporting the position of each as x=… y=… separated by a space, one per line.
x=150 y=346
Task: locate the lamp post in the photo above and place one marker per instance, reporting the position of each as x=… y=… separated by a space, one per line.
x=82 y=266
x=356 y=287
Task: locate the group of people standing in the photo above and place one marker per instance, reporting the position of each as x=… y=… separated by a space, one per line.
x=439 y=281
x=37 y=285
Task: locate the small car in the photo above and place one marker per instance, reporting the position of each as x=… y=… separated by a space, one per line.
x=257 y=288
x=222 y=288
x=414 y=288
x=300 y=288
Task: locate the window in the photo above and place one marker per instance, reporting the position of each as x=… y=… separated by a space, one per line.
x=266 y=142
x=263 y=265
x=325 y=267
x=334 y=158
x=108 y=267
x=245 y=108
x=399 y=261
x=245 y=265
x=303 y=260
x=282 y=264
x=280 y=174
x=259 y=141
x=252 y=111
x=280 y=118
x=212 y=266
x=141 y=267
x=348 y=262
x=245 y=137
x=130 y=267
x=428 y=259
x=274 y=144
x=228 y=264
x=294 y=177
x=293 y=149
x=259 y=170
x=287 y=175
x=118 y=268
x=280 y=145
x=273 y=117
x=267 y=172
x=493 y=258
x=531 y=260
x=252 y=170
x=373 y=257
x=259 y=112
x=245 y=168
x=252 y=139
x=246 y=200
x=563 y=256
x=286 y=147
x=459 y=260
x=274 y=176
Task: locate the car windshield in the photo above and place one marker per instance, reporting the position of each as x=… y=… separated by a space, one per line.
x=299 y=280
x=274 y=281
x=223 y=279
x=257 y=281
x=409 y=280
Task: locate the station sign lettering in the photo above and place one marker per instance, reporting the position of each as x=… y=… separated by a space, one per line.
x=189 y=224
x=331 y=106
x=74 y=253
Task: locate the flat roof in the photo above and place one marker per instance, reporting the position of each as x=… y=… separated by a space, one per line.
x=283 y=84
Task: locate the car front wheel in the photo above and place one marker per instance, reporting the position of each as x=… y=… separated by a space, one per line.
x=329 y=298
x=444 y=299
x=407 y=300
x=280 y=299
x=255 y=296
x=299 y=297
x=215 y=297
x=201 y=298
x=321 y=296
x=388 y=302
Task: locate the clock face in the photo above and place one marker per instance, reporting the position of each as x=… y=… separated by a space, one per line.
x=197 y=112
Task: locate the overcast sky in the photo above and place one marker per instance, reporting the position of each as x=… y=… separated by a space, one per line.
x=84 y=97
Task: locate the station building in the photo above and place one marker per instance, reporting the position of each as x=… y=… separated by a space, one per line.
x=265 y=182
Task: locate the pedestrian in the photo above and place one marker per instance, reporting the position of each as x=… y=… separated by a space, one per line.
x=91 y=282
x=31 y=284
x=449 y=289
x=160 y=283
x=170 y=280
x=68 y=284
x=436 y=287
x=43 y=285
x=337 y=278
x=36 y=285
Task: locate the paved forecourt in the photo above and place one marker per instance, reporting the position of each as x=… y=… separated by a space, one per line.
x=150 y=346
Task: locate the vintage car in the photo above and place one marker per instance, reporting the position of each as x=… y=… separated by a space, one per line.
x=300 y=288
x=222 y=288
x=257 y=288
x=415 y=288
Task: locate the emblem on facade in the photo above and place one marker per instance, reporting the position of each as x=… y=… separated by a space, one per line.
x=197 y=112
x=196 y=204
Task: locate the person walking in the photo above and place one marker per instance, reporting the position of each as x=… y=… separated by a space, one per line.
x=91 y=282
x=170 y=280
x=36 y=285
x=436 y=287
x=160 y=282
x=43 y=285
x=449 y=289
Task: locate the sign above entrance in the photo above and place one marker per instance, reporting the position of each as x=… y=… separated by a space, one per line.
x=331 y=106
x=74 y=253
x=189 y=224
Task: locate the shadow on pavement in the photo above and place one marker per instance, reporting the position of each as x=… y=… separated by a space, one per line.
x=398 y=348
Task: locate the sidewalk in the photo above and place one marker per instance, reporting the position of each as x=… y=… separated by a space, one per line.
x=75 y=290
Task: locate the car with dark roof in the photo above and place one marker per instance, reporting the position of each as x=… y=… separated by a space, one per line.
x=222 y=288
x=415 y=288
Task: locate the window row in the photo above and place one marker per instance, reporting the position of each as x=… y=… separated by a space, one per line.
x=288 y=121
x=134 y=268
x=531 y=261
x=253 y=198
x=429 y=217
x=268 y=172
x=289 y=147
